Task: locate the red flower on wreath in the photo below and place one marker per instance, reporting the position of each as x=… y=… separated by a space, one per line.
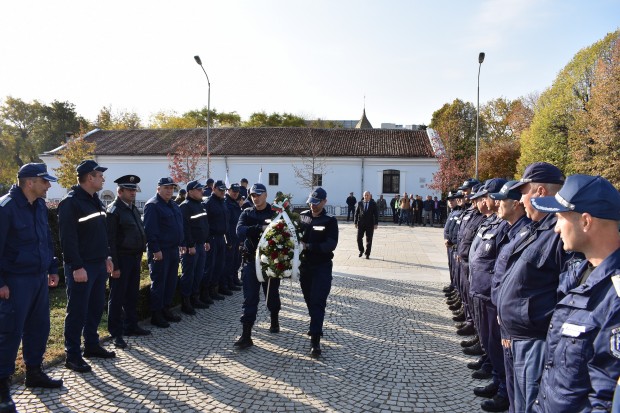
x=271 y=242
x=274 y=255
x=280 y=266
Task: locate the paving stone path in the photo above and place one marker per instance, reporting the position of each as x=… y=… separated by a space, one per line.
x=389 y=346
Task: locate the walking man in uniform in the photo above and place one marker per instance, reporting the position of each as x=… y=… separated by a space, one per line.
x=27 y=268
x=86 y=253
x=127 y=242
x=366 y=221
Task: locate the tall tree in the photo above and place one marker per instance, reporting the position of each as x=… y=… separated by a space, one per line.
x=74 y=152
x=57 y=119
x=309 y=172
x=185 y=163
x=456 y=125
x=19 y=120
x=262 y=119
x=118 y=120
x=451 y=173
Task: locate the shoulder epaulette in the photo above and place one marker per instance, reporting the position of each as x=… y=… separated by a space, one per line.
x=111 y=209
x=5 y=200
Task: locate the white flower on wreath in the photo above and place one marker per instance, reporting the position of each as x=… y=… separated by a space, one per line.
x=276 y=261
x=270 y=272
x=288 y=273
x=264 y=259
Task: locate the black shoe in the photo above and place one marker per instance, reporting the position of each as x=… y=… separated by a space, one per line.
x=186 y=306
x=468 y=330
x=487 y=391
x=137 y=331
x=197 y=302
x=170 y=316
x=475 y=365
x=496 y=404
x=237 y=282
x=361 y=253
x=245 y=340
x=475 y=350
x=214 y=294
x=119 y=342
x=6 y=402
x=35 y=377
x=460 y=325
x=225 y=291
x=158 y=320
x=234 y=288
x=205 y=298
x=367 y=256
x=469 y=343
x=455 y=307
x=315 y=351
x=481 y=375
x=275 y=324
x=453 y=301
x=447 y=289
x=77 y=364
x=460 y=317
x=98 y=351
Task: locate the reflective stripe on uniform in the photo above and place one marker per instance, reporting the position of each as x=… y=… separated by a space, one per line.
x=5 y=201
x=91 y=216
x=202 y=214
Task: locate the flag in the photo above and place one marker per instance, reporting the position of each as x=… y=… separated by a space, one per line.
x=260 y=176
x=227 y=182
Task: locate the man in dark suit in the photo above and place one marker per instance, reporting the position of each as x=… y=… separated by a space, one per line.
x=351 y=201
x=366 y=220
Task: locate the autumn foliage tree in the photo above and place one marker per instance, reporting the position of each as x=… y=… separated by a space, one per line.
x=185 y=163
x=70 y=156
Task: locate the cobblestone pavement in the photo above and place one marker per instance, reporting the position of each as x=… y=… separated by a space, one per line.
x=389 y=345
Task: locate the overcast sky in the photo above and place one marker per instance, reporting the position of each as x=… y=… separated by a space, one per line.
x=315 y=58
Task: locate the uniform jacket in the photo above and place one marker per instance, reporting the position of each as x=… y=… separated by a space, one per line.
x=320 y=235
x=26 y=246
x=126 y=234
x=163 y=223
x=450 y=222
x=234 y=212
x=250 y=227
x=454 y=229
x=366 y=219
x=195 y=222
x=482 y=259
x=527 y=295
x=582 y=361
x=470 y=220
x=83 y=229
x=217 y=213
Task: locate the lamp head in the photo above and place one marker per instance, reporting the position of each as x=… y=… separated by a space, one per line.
x=480 y=57
x=197 y=59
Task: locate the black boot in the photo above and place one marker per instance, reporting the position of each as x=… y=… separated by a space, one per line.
x=469 y=343
x=245 y=340
x=35 y=377
x=223 y=289
x=6 y=402
x=197 y=302
x=214 y=294
x=315 y=351
x=170 y=316
x=158 y=320
x=496 y=404
x=205 y=297
x=186 y=306
x=275 y=325
x=237 y=281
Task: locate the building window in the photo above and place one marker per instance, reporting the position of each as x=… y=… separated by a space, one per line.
x=273 y=179
x=391 y=181
x=317 y=180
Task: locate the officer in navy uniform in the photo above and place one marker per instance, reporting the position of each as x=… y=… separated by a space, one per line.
x=582 y=349
x=528 y=293
x=127 y=241
x=208 y=189
x=450 y=222
x=233 y=254
x=319 y=240
x=217 y=214
x=86 y=253
x=252 y=222
x=27 y=268
x=243 y=188
x=196 y=231
x=163 y=223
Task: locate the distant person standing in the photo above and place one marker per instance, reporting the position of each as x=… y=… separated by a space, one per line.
x=405 y=210
x=351 y=201
x=86 y=253
x=208 y=189
x=28 y=268
x=427 y=211
x=394 y=203
x=381 y=205
x=366 y=221
x=181 y=196
x=243 y=189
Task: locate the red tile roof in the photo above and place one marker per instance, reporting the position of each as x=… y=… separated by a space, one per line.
x=268 y=142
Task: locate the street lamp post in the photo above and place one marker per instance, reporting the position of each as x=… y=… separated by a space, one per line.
x=197 y=59
x=480 y=60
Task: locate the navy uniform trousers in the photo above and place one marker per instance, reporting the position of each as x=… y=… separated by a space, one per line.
x=192 y=270
x=124 y=295
x=85 y=304
x=233 y=261
x=251 y=293
x=316 y=283
x=25 y=314
x=164 y=275
x=215 y=262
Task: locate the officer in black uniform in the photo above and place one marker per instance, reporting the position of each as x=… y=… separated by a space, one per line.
x=252 y=222
x=233 y=254
x=243 y=188
x=319 y=240
x=196 y=231
x=27 y=268
x=86 y=253
x=217 y=214
x=127 y=242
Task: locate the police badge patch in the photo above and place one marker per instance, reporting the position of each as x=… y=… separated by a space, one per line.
x=614 y=342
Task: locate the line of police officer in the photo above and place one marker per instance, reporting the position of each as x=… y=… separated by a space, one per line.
x=546 y=320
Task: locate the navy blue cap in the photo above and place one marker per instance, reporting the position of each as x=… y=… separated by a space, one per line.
x=506 y=192
x=219 y=184
x=477 y=191
x=167 y=181
x=317 y=196
x=459 y=194
x=234 y=187
x=34 y=170
x=470 y=183
x=451 y=195
x=194 y=185
x=542 y=173
x=88 y=166
x=258 y=189
x=583 y=193
x=210 y=181
x=128 y=181
x=182 y=191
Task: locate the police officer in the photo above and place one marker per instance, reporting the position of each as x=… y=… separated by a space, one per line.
x=27 y=268
x=252 y=222
x=208 y=189
x=196 y=232
x=528 y=292
x=217 y=214
x=243 y=188
x=582 y=350
x=127 y=242
x=233 y=254
x=163 y=224
x=86 y=253
x=450 y=222
x=319 y=240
